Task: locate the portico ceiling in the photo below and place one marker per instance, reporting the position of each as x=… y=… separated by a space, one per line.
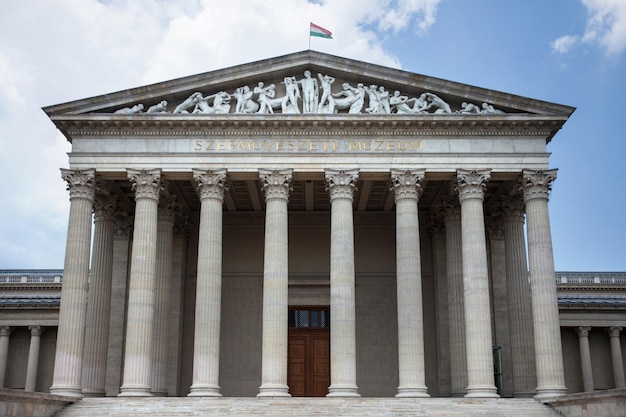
x=308 y=195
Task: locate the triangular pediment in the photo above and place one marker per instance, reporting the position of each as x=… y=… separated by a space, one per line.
x=282 y=82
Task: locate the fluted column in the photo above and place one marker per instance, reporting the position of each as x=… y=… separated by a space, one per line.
x=174 y=352
x=585 y=357
x=412 y=376
x=456 y=312
x=121 y=249
x=548 y=353
x=33 y=358
x=162 y=302
x=438 y=242
x=276 y=185
x=99 y=305
x=499 y=299
x=518 y=295
x=342 y=185
x=616 y=356
x=206 y=355
x=5 y=334
x=471 y=187
x=68 y=361
x=138 y=353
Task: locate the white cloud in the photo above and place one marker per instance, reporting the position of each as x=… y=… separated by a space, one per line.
x=564 y=43
x=52 y=52
x=606 y=27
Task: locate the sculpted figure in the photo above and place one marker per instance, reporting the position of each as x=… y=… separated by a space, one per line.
x=437 y=103
x=190 y=103
x=244 y=100
x=137 y=108
x=289 y=103
x=309 y=93
x=468 y=108
x=326 y=103
x=383 y=100
x=158 y=108
x=488 y=109
x=349 y=97
x=221 y=104
x=400 y=104
x=265 y=94
x=358 y=104
x=372 y=94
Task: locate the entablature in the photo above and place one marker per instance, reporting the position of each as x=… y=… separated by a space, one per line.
x=331 y=126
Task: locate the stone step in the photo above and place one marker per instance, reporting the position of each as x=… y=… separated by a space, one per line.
x=306 y=407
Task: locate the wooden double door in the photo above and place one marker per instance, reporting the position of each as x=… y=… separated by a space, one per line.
x=309 y=353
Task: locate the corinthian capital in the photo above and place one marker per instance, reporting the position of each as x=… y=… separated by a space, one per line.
x=276 y=183
x=537 y=183
x=406 y=183
x=168 y=207
x=145 y=183
x=80 y=183
x=104 y=208
x=341 y=183
x=472 y=183
x=513 y=208
x=583 y=331
x=211 y=183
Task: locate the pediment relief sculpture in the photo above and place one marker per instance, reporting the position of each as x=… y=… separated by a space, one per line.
x=312 y=95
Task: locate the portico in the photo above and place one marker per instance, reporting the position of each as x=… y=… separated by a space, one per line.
x=239 y=216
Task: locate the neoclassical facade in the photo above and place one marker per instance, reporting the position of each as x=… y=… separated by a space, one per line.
x=309 y=225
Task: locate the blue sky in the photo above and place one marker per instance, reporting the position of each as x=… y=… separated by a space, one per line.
x=571 y=52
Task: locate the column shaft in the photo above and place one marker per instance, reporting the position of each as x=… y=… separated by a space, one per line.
x=33 y=358
x=454 y=267
x=160 y=332
x=5 y=334
x=438 y=242
x=174 y=352
x=276 y=185
x=471 y=185
x=139 y=325
x=616 y=357
x=73 y=310
x=99 y=305
x=412 y=375
x=117 y=319
x=341 y=185
x=206 y=356
x=499 y=302
x=518 y=295
x=547 y=332
x=585 y=357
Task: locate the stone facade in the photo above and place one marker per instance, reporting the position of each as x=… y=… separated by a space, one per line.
x=228 y=217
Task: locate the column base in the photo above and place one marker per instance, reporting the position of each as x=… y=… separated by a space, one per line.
x=67 y=391
x=198 y=390
x=93 y=393
x=543 y=393
x=135 y=391
x=412 y=392
x=337 y=390
x=529 y=394
x=273 y=390
x=486 y=391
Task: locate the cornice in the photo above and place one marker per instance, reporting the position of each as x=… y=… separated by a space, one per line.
x=277 y=125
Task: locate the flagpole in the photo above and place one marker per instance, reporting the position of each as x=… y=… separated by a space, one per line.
x=309 y=36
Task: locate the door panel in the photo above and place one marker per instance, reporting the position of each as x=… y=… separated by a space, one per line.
x=309 y=363
x=297 y=365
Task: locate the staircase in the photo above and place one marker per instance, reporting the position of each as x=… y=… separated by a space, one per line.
x=306 y=407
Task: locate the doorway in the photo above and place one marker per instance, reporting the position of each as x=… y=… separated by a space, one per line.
x=308 y=370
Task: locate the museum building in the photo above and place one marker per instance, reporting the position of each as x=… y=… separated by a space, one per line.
x=310 y=225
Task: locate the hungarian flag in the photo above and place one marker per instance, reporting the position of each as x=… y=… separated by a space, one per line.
x=320 y=32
